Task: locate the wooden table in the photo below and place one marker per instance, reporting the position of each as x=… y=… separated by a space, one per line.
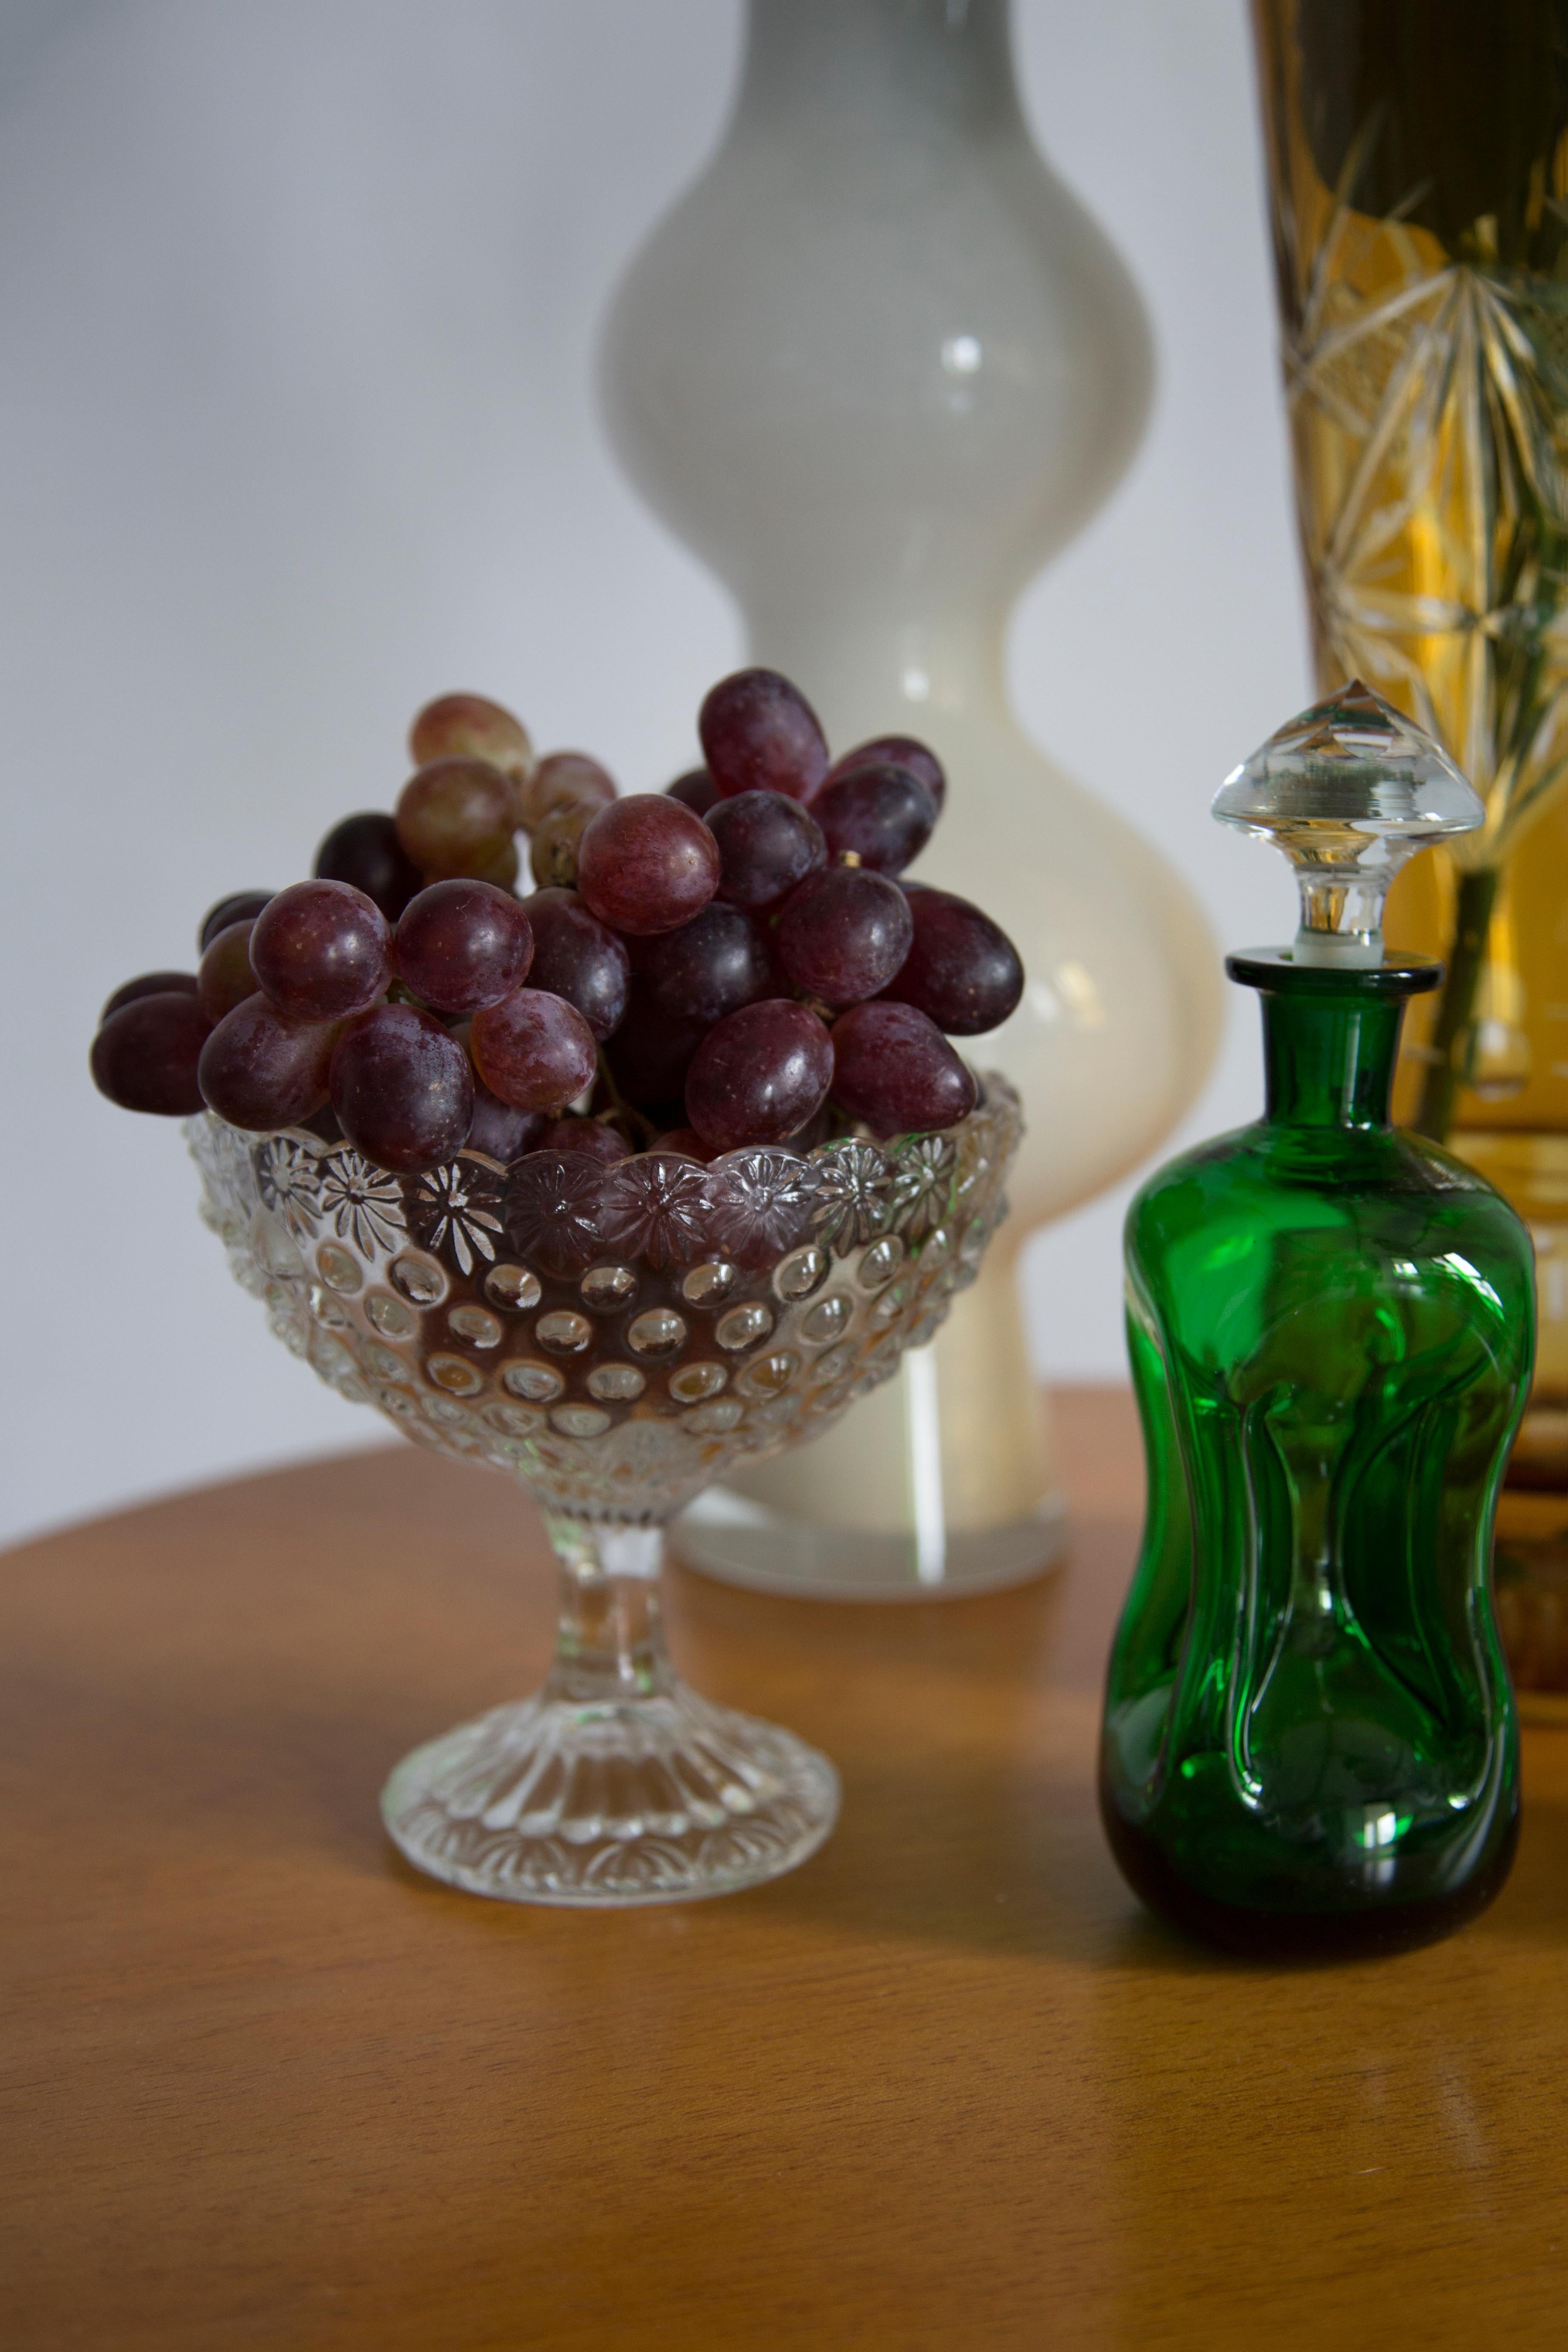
x=943 y=2086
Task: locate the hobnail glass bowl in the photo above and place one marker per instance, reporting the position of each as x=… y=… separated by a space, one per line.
x=616 y=1338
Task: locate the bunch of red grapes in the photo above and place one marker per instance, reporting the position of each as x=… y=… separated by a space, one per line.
x=732 y=962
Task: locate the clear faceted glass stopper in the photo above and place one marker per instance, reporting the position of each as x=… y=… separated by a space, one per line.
x=1348 y=791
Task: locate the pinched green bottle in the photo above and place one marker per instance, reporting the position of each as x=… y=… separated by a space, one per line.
x=1310 y=1742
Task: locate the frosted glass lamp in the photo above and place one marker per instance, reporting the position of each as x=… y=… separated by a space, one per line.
x=875 y=368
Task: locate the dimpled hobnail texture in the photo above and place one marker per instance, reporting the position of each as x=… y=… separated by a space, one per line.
x=579 y=1325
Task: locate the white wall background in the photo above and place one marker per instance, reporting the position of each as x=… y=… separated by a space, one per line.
x=298 y=305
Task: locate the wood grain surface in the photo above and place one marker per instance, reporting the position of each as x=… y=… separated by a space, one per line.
x=945 y=2086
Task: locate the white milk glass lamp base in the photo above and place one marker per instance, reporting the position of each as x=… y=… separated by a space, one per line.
x=729 y=1536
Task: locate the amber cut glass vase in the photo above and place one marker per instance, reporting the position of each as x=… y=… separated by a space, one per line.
x=1418 y=174
x=1309 y=1741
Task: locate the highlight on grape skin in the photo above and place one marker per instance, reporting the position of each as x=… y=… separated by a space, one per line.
x=321 y=951
x=402 y=1088
x=728 y=963
x=893 y=1069
x=880 y=813
x=962 y=969
x=646 y=864
x=579 y=958
x=712 y=965
x=759 y=1075
x=533 y=1050
x=462 y=945
x=767 y=845
x=899 y=751
x=760 y=734
x=259 y=1070
x=843 y=934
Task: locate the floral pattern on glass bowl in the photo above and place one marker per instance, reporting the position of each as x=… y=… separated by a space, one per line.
x=489 y=1302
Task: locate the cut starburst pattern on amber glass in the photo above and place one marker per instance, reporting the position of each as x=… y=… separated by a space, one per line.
x=1429 y=426
x=1419 y=189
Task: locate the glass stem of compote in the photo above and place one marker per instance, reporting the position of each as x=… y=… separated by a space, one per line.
x=609 y=1651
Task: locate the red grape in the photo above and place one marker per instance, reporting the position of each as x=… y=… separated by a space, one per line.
x=454 y=815
x=365 y=851
x=497 y=1129
x=712 y=965
x=239 y=906
x=882 y=815
x=760 y=734
x=501 y=869
x=151 y=983
x=686 y=1142
x=533 y=1050
x=145 y=1054
x=468 y=727
x=460 y=945
x=565 y=780
x=901 y=752
x=649 y=1054
x=767 y=843
x=843 y=934
x=402 y=1088
x=591 y=1136
x=895 y=1070
x=758 y=1076
x=260 y=1070
x=552 y=851
x=962 y=970
x=226 y=978
x=646 y=864
x=579 y=958
x=696 y=789
x=322 y=949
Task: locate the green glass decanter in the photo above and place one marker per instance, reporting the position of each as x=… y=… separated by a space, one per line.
x=1310 y=1742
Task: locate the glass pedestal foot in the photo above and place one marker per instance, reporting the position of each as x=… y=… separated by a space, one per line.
x=648 y=1800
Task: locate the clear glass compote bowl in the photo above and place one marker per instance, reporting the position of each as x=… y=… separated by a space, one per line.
x=616 y=1338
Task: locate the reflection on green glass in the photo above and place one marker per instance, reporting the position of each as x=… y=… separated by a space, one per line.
x=1309 y=1740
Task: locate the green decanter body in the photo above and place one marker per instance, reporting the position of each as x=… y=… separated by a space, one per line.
x=1309 y=1741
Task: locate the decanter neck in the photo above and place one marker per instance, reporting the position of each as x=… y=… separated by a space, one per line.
x=1330 y=1036
x=1328 y=1065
